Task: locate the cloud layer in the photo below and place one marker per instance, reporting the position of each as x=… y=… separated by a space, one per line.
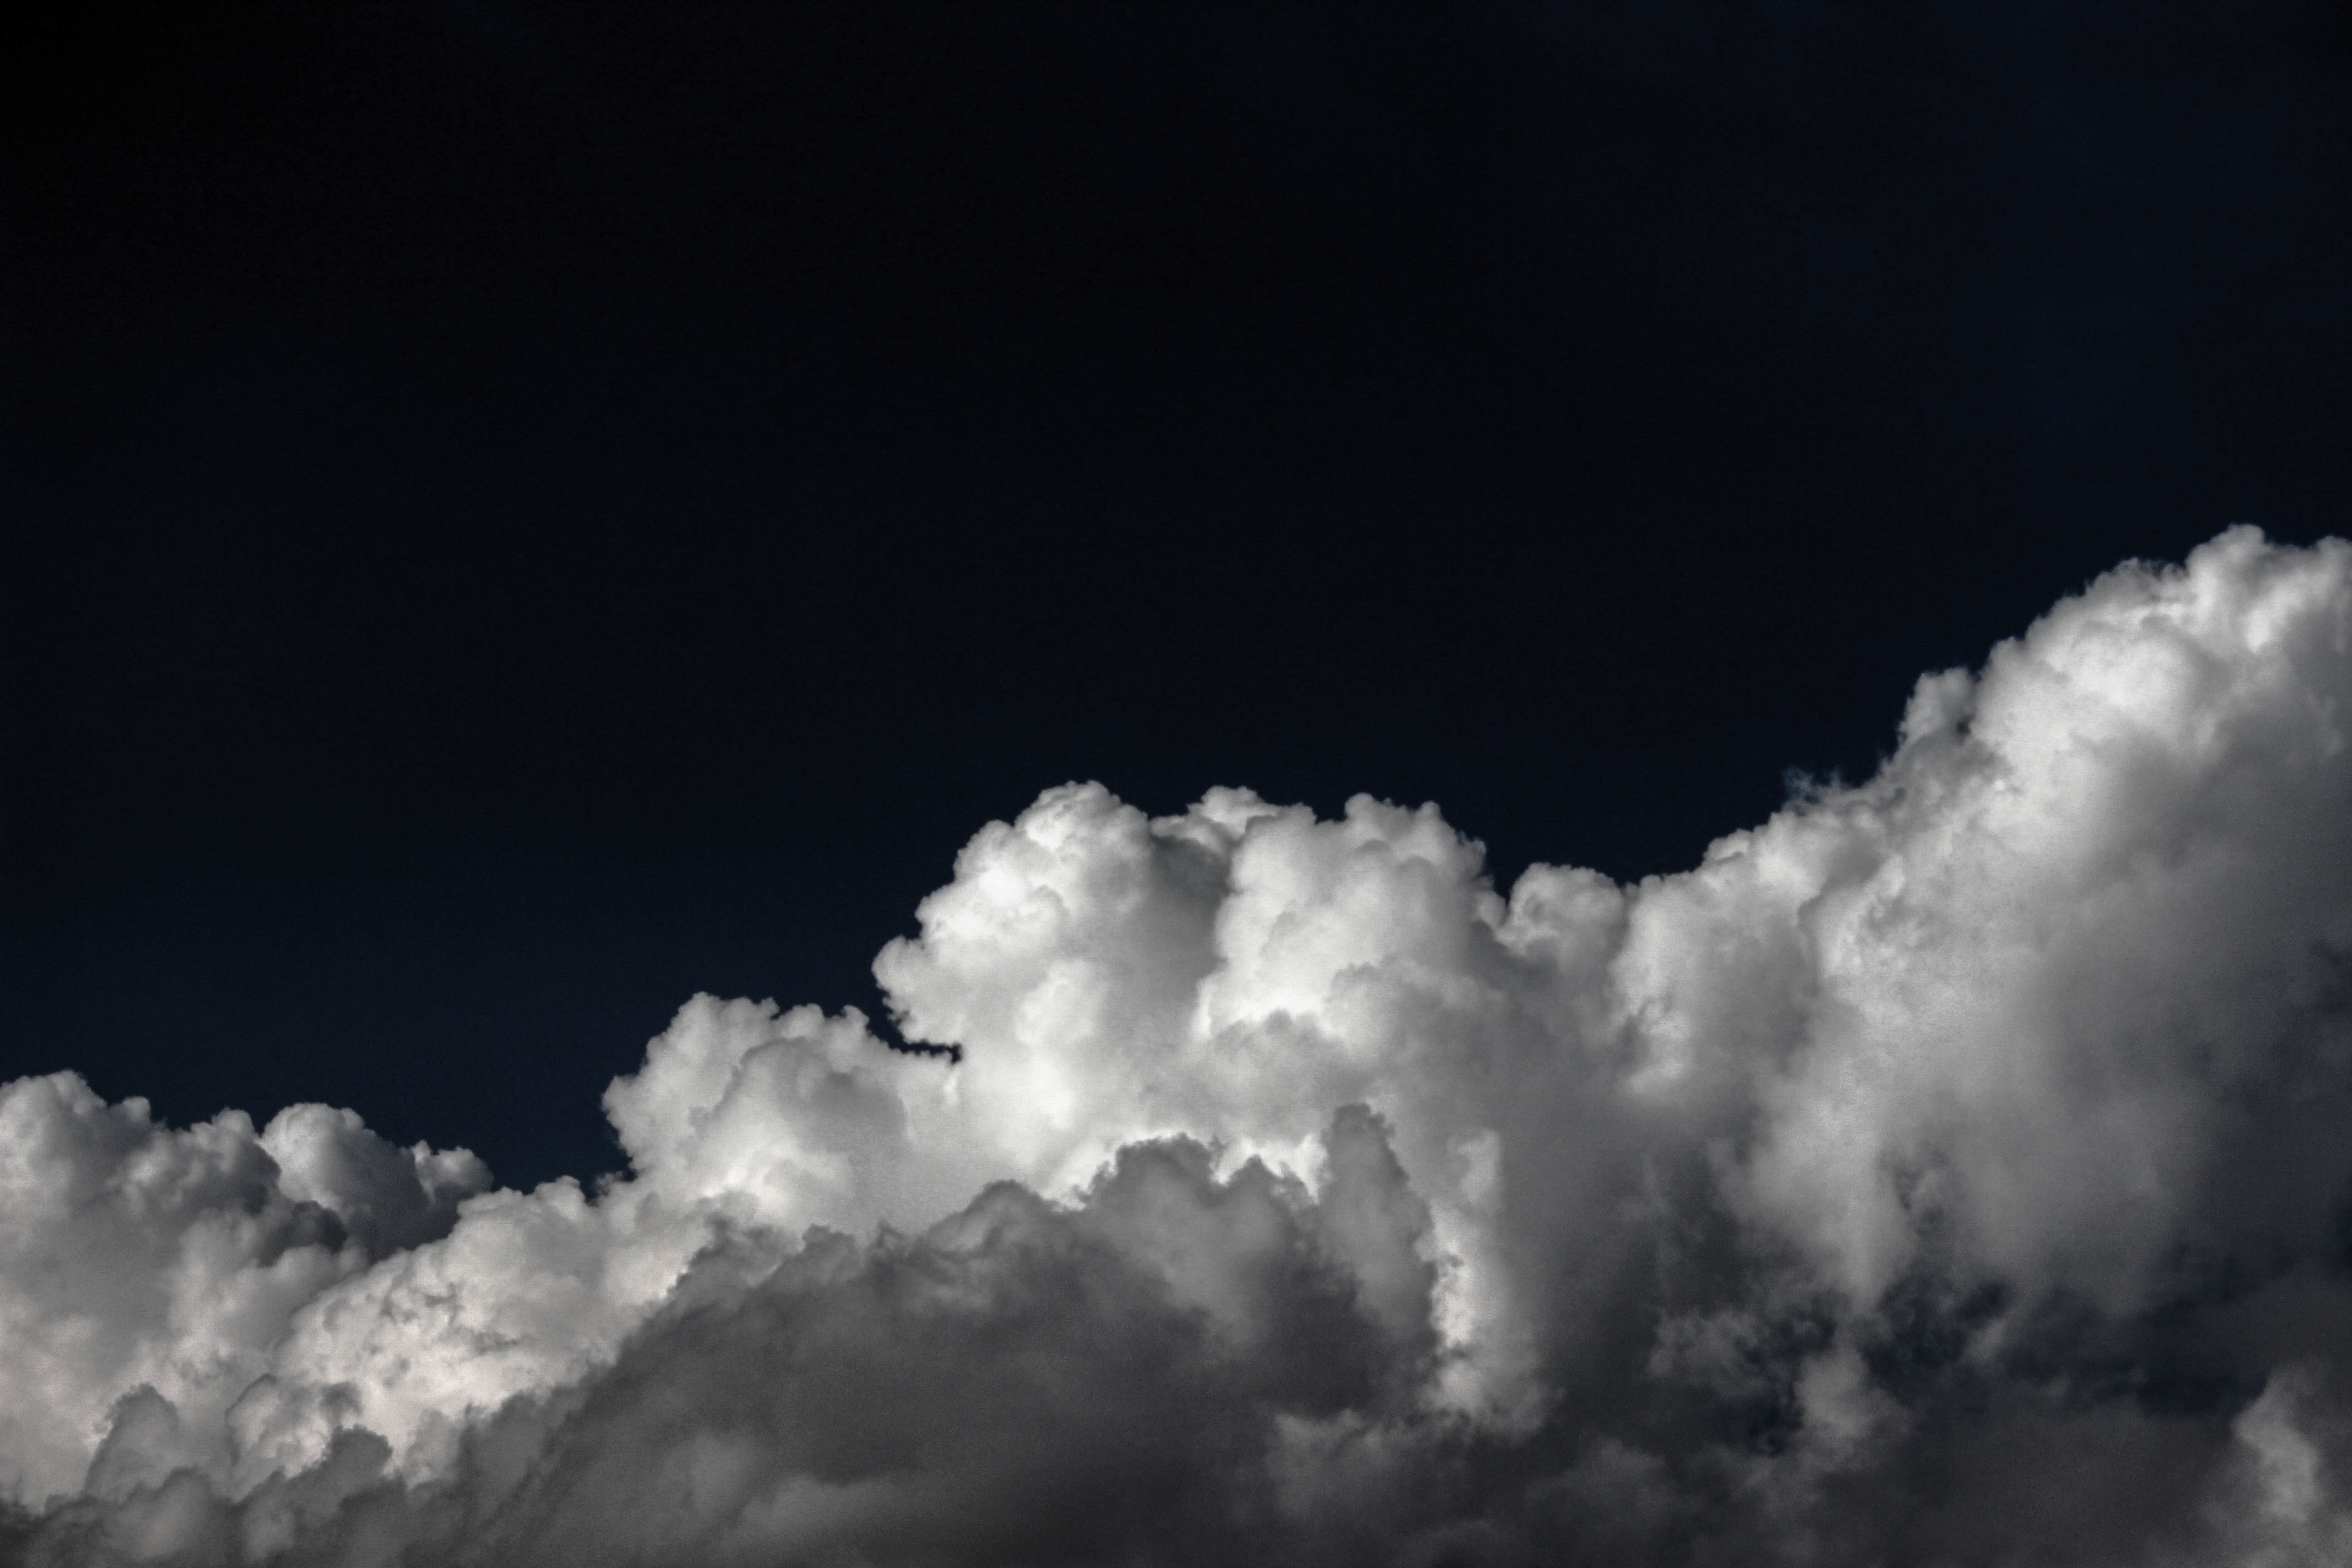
x=1955 y=1168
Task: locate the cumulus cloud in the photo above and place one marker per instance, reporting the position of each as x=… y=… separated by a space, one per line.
x=1955 y=1168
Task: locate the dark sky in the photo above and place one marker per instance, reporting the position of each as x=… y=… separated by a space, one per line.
x=516 y=514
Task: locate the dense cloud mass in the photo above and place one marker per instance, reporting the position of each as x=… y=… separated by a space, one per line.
x=1955 y=1169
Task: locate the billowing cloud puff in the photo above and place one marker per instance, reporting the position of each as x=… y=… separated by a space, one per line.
x=1955 y=1168
x=136 y=1258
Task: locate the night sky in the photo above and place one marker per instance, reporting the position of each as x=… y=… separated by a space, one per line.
x=519 y=514
x=635 y=646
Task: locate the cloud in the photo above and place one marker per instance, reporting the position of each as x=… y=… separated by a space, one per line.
x=136 y=1257
x=1952 y=1169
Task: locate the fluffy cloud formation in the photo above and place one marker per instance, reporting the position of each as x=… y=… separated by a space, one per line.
x=1956 y=1168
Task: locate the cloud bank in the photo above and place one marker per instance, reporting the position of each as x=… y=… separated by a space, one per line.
x=1955 y=1169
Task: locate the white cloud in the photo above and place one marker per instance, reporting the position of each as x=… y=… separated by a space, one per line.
x=136 y=1256
x=1949 y=1145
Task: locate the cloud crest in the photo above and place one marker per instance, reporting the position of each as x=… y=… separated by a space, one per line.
x=1954 y=1168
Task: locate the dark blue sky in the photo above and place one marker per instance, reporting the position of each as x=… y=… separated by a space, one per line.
x=519 y=513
